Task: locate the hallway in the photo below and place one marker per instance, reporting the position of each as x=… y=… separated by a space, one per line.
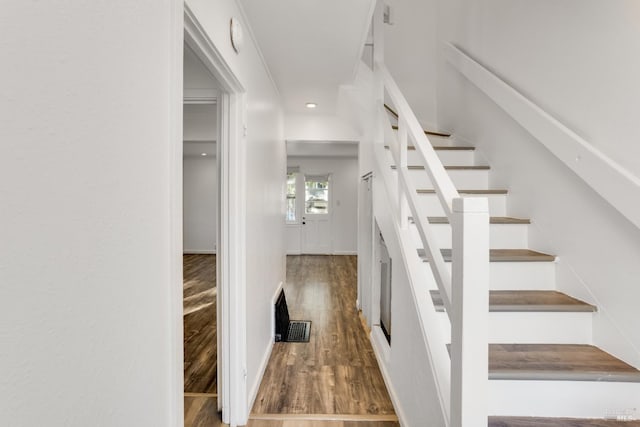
x=335 y=376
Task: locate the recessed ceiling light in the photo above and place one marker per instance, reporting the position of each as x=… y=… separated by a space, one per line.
x=311 y=105
x=203 y=154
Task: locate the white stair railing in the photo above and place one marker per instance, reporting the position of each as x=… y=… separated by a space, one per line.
x=465 y=291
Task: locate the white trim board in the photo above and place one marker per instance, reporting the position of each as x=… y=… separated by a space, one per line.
x=199 y=252
x=232 y=357
x=610 y=180
x=176 y=353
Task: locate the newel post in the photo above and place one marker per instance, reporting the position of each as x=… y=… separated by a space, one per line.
x=469 y=320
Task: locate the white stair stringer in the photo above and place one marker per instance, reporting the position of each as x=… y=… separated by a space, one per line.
x=399 y=241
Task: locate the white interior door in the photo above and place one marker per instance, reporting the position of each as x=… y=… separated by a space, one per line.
x=317 y=214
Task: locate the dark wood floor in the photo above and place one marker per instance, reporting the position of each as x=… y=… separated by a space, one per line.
x=336 y=372
x=200 y=341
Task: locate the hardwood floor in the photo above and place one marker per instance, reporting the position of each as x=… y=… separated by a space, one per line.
x=336 y=372
x=200 y=338
x=202 y=412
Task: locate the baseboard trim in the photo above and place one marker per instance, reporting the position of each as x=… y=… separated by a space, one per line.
x=382 y=364
x=198 y=252
x=293 y=252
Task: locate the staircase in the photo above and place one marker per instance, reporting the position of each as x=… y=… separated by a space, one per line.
x=543 y=367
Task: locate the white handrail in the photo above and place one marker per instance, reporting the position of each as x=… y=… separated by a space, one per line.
x=616 y=184
x=464 y=291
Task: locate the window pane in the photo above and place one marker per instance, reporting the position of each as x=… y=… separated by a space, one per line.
x=291 y=196
x=316 y=196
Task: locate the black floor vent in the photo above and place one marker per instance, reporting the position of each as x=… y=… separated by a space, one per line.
x=298 y=331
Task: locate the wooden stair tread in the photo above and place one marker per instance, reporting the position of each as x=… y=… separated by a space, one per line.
x=568 y=362
x=480 y=192
x=478 y=167
x=492 y=220
x=443 y=147
x=502 y=255
x=539 y=301
x=557 y=422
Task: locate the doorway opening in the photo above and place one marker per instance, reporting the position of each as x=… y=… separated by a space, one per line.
x=221 y=103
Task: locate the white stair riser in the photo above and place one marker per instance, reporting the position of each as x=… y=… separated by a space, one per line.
x=571 y=399
x=534 y=327
x=447 y=157
x=431 y=204
x=462 y=179
x=513 y=236
x=522 y=275
x=519 y=276
x=442 y=140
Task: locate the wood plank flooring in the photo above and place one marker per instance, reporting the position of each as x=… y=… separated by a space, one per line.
x=202 y=412
x=336 y=372
x=578 y=362
x=200 y=338
x=526 y=301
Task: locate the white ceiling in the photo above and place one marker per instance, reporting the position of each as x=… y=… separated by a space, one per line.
x=197 y=148
x=310 y=46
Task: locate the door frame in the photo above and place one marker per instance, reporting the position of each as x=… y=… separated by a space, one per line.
x=231 y=248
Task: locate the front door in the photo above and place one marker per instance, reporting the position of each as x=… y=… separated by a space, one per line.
x=316 y=217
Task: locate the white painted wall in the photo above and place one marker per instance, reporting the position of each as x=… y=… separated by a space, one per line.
x=344 y=208
x=264 y=180
x=85 y=320
x=200 y=122
x=318 y=127
x=586 y=79
x=409 y=52
x=200 y=184
x=200 y=201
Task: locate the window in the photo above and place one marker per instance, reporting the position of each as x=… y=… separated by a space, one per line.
x=291 y=196
x=316 y=194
